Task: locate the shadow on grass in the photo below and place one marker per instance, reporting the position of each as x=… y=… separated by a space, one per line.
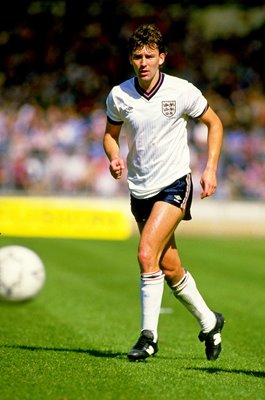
x=94 y=353
x=214 y=370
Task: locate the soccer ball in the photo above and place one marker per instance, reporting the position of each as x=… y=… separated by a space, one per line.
x=22 y=273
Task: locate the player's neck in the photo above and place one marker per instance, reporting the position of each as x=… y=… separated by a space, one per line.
x=147 y=86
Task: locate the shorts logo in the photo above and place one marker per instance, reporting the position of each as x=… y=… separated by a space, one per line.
x=169 y=108
x=177 y=198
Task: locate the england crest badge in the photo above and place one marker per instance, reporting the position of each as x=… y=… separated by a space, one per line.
x=169 y=108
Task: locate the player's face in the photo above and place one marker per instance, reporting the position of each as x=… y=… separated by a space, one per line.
x=146 y=62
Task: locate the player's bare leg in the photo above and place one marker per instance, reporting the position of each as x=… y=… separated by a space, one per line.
x=156 y=237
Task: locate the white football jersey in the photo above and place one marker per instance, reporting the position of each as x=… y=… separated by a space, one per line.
x=156 y=129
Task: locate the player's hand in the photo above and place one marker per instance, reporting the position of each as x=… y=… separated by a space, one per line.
x=116 y=168
x=208 y=183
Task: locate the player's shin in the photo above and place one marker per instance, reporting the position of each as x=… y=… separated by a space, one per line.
x=187 y=293
x=151 y=289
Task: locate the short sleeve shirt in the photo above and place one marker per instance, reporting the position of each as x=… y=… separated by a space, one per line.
x=156 y=130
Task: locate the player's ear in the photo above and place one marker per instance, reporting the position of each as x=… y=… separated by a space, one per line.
x=130 y=58
x=162 y=57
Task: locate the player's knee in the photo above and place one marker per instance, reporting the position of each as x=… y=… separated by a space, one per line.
x=146 y=259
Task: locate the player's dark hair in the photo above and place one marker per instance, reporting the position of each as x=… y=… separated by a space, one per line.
x=147 y=35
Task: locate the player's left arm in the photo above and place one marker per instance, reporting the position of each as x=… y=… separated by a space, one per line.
x=215 y=138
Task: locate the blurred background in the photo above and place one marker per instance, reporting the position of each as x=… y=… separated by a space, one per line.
x=59 y=59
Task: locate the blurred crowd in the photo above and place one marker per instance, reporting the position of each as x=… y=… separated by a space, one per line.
x=58 y=65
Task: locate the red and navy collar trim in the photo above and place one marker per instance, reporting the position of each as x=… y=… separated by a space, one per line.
x=149 y=95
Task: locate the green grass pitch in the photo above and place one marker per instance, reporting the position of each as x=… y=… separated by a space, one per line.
x=71 y=341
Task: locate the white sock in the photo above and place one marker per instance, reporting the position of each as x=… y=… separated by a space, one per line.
x=187 y=293
x=151 y=289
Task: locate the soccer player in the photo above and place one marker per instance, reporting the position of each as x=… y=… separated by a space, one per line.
x=154 y=108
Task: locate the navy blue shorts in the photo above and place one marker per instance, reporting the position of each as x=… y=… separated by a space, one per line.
x=179 y=194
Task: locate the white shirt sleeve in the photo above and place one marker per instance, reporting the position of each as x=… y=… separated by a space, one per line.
x=113 y=113
x=196 y=103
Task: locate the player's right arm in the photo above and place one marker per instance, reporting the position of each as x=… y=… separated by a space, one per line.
x=112 y=149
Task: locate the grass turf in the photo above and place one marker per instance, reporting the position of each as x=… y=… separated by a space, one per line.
x=71 y=341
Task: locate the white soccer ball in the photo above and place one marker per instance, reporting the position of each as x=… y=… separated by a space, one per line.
x=22 y=273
